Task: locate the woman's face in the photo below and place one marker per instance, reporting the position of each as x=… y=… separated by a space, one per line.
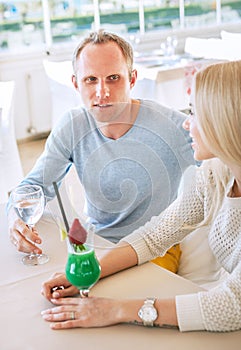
x=201 y=152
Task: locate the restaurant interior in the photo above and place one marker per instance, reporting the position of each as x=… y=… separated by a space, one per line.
x=171 y=40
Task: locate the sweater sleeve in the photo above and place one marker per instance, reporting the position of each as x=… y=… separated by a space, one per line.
x=216 y=310
x=221 y=306
x=55 y=161
x=171 y=226
x=189 y=314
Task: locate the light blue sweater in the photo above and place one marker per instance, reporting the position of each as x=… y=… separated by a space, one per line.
x=127 y=180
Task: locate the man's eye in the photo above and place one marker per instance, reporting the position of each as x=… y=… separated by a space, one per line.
x=90 y=80
x=114 y=77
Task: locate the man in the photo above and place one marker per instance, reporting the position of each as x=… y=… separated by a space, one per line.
x=129 y=154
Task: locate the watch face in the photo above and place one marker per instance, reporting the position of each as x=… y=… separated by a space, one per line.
x=148 y=313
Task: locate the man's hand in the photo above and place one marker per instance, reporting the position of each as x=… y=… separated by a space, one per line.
x=23 y=237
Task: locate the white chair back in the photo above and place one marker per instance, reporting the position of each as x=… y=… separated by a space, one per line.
x=11 y=172
x=63 y=95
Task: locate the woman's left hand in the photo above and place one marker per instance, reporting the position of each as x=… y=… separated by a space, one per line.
x=86 y=312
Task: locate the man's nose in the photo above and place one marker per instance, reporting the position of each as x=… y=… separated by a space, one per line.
x=102 y=91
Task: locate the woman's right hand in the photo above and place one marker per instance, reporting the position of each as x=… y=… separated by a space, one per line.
x=58 y=287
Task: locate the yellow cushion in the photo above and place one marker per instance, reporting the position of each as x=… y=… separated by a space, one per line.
x=170 y=260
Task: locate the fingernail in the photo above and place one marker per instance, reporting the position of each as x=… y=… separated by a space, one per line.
x=56 y=295
x=46 y=317
x=36 y=251
x=38 y=241
x=54 y=300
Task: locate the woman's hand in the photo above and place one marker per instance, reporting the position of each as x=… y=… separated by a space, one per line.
x=101 y=312
x=58 y=287
x=90 y=312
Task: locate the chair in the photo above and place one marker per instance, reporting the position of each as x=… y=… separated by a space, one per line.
x=225 y=48
x=11 y=172
x=63 y=95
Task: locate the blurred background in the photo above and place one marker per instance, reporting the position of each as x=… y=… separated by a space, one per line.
x=33 y=32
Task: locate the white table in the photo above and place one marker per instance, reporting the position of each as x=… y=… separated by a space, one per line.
x=22 y=326
x=167 y=80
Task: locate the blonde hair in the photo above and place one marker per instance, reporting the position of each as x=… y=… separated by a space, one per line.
x=218 y=109
x=218 y=115
x=103 y=37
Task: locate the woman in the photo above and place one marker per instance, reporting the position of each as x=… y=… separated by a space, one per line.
x=215 y=198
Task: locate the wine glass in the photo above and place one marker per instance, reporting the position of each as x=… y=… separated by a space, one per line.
x=169 y=46
x=82 y=267
x=28 y=203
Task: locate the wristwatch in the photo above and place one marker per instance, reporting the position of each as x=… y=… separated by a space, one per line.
x=148 y=312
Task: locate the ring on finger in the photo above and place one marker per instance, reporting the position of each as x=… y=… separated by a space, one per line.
x=72 y=315
x=84 y=293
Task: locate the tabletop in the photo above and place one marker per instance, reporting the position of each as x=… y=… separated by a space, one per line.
x=167 y=80
x=22 y=326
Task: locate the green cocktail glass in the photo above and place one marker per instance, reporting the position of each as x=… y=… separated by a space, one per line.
x=82 y=267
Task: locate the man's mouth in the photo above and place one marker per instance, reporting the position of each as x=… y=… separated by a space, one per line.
x=102 y=105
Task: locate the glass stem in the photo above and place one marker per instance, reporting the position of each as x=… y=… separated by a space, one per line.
x=32 y=255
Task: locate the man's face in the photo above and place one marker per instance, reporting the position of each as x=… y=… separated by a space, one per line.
x=103 y=81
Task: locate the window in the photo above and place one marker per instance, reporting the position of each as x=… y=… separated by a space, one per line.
x=70 y=19
x=29 y=23
x=21 y=24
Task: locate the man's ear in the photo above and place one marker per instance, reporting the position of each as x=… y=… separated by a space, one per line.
x=133 y=78
x=74 y=81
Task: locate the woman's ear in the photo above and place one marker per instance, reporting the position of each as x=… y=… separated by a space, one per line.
x=74 y=81
x=133 y=78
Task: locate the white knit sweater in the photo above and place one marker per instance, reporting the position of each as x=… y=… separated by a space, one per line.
x=218 y=309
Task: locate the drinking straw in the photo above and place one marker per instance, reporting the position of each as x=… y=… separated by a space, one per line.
x=61 y=206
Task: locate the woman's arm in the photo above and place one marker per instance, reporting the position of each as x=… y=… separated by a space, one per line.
x=101 y=312
x=118 y=258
